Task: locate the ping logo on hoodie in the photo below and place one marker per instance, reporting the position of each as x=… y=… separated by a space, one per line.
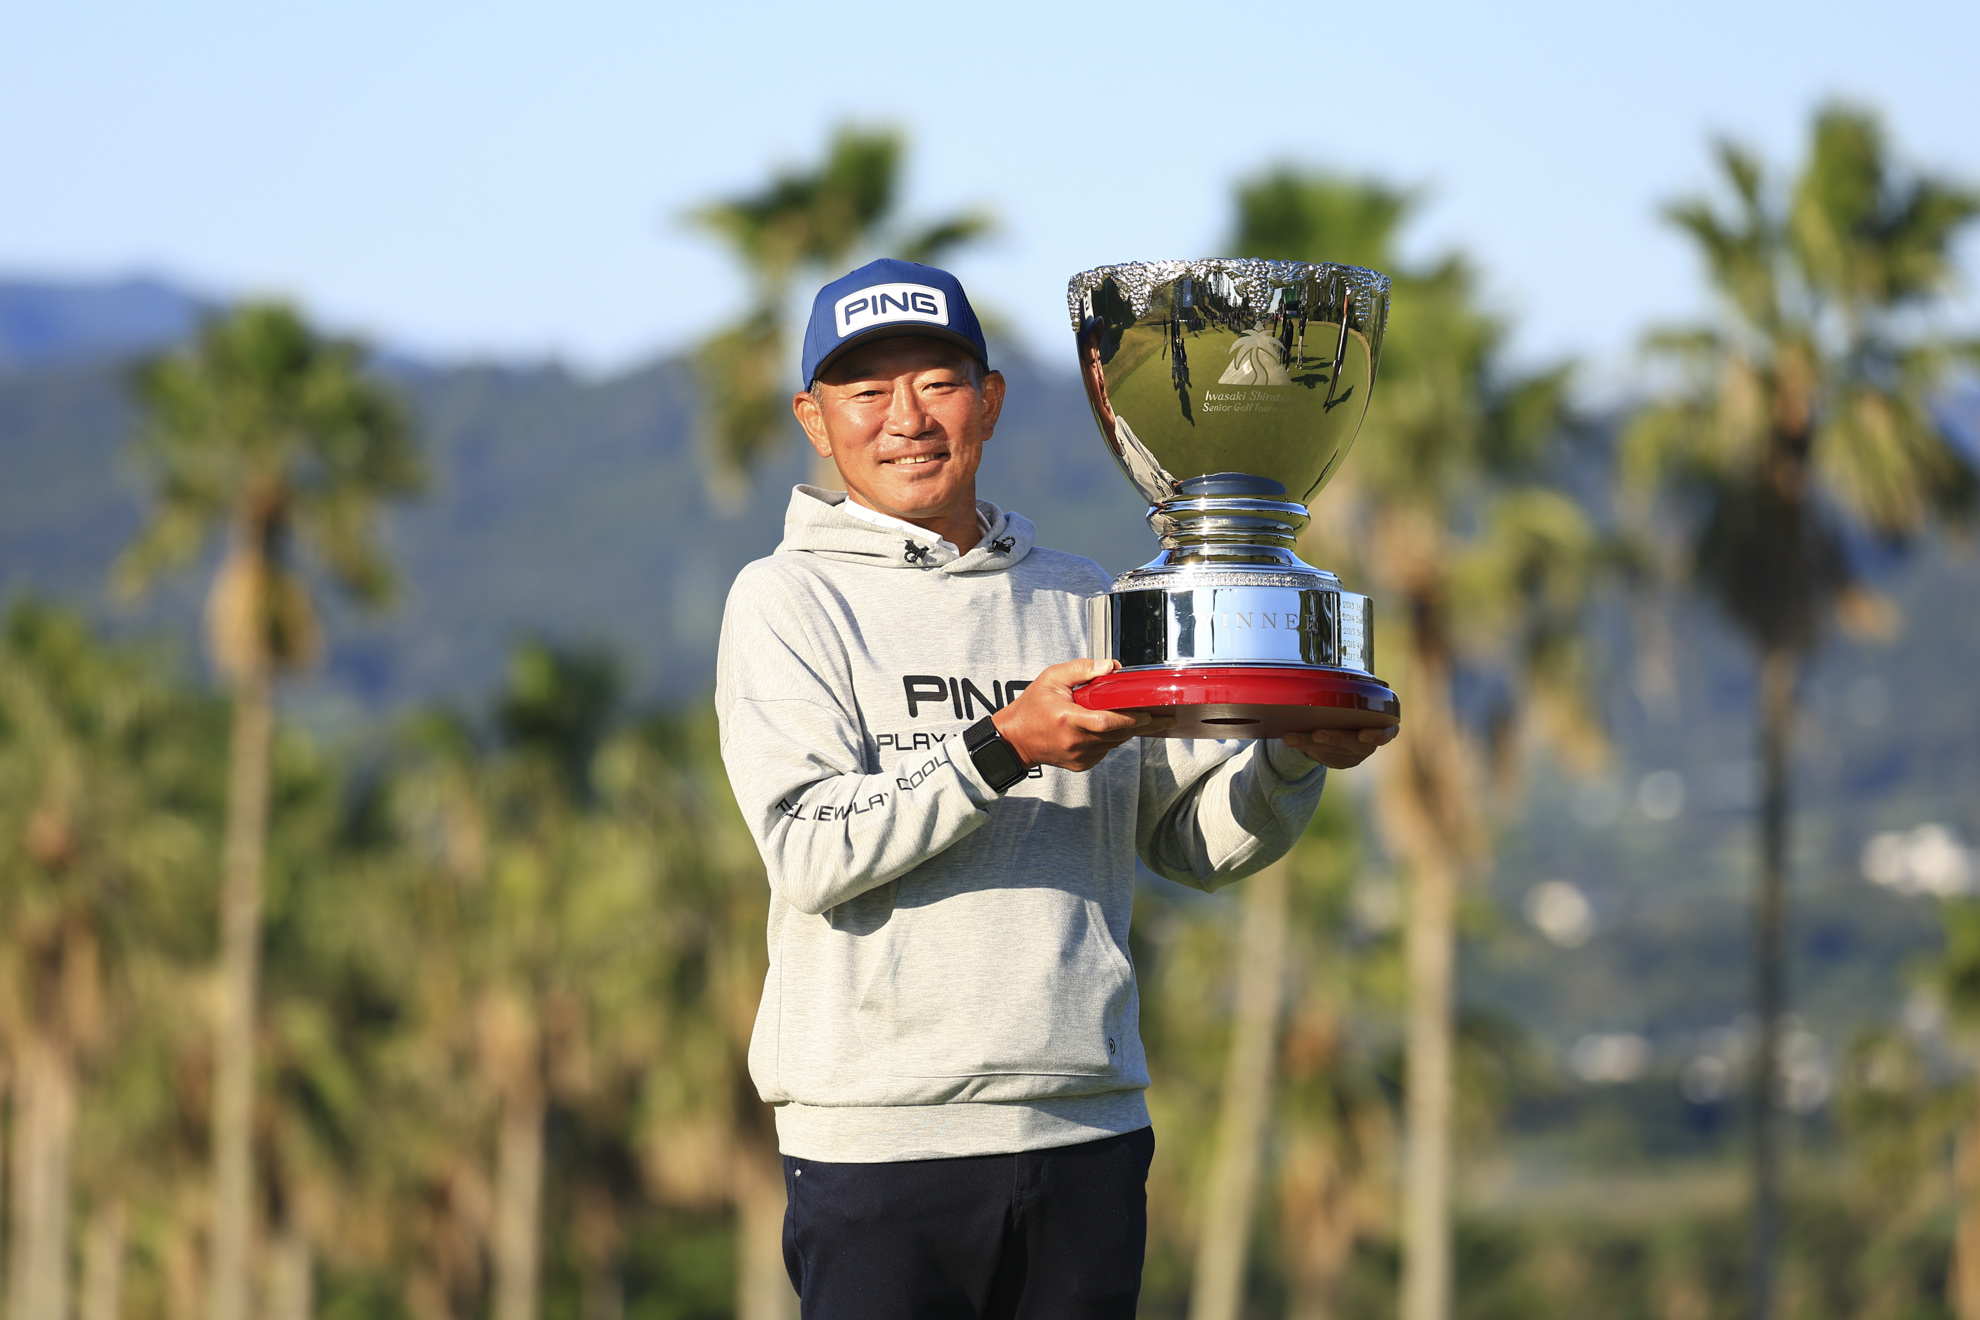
x=884 y=303
x=959 y=694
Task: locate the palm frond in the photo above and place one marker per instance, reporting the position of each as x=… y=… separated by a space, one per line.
x=744 y=412
x=1293 y=215
x=1775 y=566
x=1882 y=455
x=856 y=191
x=931 y=243
x=1526 y=416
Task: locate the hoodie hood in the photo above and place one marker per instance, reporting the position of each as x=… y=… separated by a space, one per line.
x=816 y=523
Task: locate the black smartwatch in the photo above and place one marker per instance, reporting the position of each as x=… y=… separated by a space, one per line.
x=996 y=760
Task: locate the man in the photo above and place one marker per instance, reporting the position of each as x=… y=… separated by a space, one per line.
x=949 y=1028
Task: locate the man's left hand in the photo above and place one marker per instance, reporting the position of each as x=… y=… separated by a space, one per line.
x=1339 y=749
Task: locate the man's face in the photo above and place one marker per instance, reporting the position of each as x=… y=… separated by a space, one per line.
x=905 y=421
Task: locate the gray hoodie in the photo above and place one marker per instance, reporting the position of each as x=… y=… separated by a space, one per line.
x=949 y=970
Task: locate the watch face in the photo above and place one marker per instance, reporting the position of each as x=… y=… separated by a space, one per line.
x=998 y=764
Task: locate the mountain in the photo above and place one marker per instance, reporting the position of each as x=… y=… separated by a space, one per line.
x=43 y=322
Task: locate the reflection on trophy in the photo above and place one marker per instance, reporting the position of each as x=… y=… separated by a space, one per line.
x=1229 y=391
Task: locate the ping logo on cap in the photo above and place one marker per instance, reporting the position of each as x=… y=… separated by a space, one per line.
x=882 y=303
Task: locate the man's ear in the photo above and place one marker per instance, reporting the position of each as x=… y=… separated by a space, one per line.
x=993 y=400
x=812 y=418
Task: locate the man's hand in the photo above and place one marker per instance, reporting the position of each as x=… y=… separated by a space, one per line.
x=1046 y=726
x=1339 y=749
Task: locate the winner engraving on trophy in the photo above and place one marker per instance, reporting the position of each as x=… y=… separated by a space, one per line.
x=1226 y=629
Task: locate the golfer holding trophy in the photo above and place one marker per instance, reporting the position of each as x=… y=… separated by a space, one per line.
x=951 y=745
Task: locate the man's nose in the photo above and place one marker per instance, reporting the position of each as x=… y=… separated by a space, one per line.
x=906 y=416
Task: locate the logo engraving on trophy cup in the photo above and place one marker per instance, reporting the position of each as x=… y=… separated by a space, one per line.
x=1257 y=358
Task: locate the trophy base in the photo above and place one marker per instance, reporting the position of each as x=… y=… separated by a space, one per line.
x=1246 y=701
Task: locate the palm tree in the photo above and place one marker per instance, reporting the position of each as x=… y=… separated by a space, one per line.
x=508 y=825
x=1296 y=1078
x=710 y=1140
x=92 y=863
x=551 y=949
x=1957 y=980
x=803 y=222
x=1453 y=439
x=1804 y=407
x=1336 y=1125
x=1217 y=1285
x=273 y=433
x=338 y=961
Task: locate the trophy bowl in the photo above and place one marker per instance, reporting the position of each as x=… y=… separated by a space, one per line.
x=1229 y=391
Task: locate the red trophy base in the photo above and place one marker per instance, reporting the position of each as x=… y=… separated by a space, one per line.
x=1237 y=701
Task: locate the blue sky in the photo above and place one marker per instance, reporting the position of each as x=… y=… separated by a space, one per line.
x=509 y=180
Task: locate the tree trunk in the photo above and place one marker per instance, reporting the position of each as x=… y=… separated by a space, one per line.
x=1777 y=677
x=181 y=1268
x=763 y=1286
x=1429 y=822
x=240 y=966
x=104 y=1244
x=1313 y=1281
x=1320 y=1217
x=598 y=1244
x=1963 y=1284
x=519 y=1204
x=1429 y=819
x=1430 y=953
x=44 y=1123
x=1217 y=1292
x=6 y=1197
x=603 y=1294
x=289 y=1287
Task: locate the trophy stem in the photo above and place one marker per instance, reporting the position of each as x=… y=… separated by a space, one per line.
x=1228 y=518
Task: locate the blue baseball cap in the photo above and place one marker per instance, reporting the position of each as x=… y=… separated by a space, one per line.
x=887 y=299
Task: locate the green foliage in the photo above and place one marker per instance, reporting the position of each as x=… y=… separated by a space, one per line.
x=812 y=217
x=1293 y=216
x=102 y=794
x=107 y=796
x=557 y=707
x=1956 y=976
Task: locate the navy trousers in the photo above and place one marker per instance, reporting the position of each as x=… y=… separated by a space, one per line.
x=1041 y=1235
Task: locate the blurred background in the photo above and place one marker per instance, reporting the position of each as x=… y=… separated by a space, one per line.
x=389 y=394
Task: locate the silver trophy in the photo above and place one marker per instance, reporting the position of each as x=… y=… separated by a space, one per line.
x=1229 y=391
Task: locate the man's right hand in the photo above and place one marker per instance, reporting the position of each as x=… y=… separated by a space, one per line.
x=1046 y=726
